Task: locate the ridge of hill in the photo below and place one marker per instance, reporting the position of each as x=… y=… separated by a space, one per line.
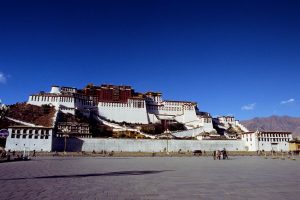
x=274 y=123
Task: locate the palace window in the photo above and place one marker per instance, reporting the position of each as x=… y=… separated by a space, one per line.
x=24 y=136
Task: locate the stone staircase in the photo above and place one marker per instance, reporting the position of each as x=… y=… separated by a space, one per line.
x=188 y=133
x=117 y=127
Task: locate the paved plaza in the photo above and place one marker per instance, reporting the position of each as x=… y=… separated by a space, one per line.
x=150 y=178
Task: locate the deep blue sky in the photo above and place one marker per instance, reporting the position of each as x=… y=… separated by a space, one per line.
x=222 y=54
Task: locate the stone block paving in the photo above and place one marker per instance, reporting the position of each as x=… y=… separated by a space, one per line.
x=150 y=178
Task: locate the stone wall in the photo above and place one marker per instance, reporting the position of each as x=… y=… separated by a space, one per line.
x=146 y=145
x=37 y=142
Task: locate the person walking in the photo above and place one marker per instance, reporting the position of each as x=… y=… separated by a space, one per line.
x=225 y=156
x=214 y=154
x=219 y=155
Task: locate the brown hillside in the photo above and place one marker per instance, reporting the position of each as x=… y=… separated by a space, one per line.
x=274 y=123
x=38 y=115
x=5 y=123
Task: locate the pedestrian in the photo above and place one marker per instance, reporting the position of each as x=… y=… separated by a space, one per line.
x=219 y=155
x=225 y=156
x=33 y=154
x=214 y=154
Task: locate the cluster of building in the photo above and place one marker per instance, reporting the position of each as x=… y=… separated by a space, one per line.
x=121 y=104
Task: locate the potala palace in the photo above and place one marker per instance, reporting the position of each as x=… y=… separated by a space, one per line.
x=122 y=104
x=123 y=110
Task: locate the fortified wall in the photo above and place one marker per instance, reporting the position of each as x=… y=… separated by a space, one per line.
x=136 y=145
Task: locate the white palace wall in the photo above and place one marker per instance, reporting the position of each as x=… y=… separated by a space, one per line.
x=56 y=101
x=120 y=112
x=66 y=104
x=208 y=127
x=189 y=117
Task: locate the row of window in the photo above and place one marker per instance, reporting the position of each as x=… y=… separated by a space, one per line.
x=270 y=139
x=30 y=131
x=62 y=99
x=77 y=130
x=165 y=108
x=267 y=135
x=138 y=104
x=30 y=136
x=274 y=139
x=76 y=135
x=206 y=120
x=66 y=89
x=229 y=119
x=85 y=102
x=52 y=99
x=274 y=135
x=174 y=103
x=114 y=104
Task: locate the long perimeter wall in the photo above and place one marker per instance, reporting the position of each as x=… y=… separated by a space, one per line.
x=136 y=145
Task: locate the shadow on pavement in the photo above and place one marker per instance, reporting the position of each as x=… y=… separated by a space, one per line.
x=120 y=173
x=62 y=158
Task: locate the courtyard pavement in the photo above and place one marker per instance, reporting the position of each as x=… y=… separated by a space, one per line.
x=150 y=178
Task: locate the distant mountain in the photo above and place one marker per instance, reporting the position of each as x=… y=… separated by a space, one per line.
x=274 y=123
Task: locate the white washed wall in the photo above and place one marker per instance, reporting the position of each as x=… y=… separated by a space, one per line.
x=30 y=144
x=132 y=145
x=128 y=114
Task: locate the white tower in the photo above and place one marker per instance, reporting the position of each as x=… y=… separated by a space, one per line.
x=55 y=89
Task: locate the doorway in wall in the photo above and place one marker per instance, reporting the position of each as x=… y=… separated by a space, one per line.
x=274 y=146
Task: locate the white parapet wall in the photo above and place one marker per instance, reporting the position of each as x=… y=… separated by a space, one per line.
x=146 y=145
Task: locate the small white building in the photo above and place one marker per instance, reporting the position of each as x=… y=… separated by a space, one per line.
x=267 y=140
x=29 y=138
x=225 y=120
